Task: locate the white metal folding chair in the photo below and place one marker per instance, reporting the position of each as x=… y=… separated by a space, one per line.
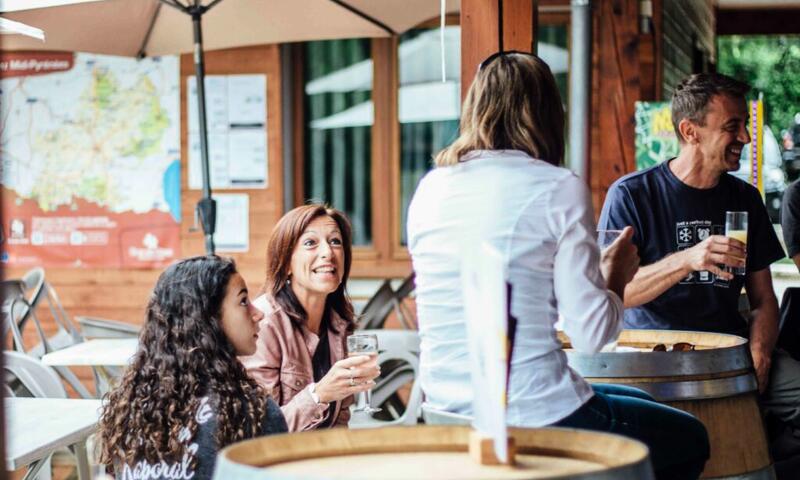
x=433 y=416
x=40 y=290
x=14 y=306
x=385 y=301
x=398 y=356
x=36 y=290
x=92 y=327
x=27 y=376
x=38 y=379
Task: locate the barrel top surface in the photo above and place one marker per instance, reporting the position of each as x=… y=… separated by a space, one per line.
x=650 y=338
x=431 y=451
x=715 y=353
x=432 y=465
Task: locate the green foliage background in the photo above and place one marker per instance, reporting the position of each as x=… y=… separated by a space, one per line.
x=770 y=64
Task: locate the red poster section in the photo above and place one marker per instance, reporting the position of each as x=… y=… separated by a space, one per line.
x=85 y=234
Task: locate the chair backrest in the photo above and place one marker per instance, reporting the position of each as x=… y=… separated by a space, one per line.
x=103 y=328
x=377 y=308
x=38 y=379
x=395 y=340
x=407 y=286
x=34 y=284
x=432 y=416
x=37 y=291
x=384 y=301
x=399 y=360
x=14 y=307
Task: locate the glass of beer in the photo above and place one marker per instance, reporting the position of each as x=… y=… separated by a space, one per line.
x=363 y=344
x=736 y=227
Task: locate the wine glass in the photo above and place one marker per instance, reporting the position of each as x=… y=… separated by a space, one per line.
x=363 y=344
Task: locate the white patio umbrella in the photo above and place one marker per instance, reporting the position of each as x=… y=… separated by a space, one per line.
x=10 y=27
x=159 y=27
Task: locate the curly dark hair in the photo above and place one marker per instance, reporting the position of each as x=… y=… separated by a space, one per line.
x=183 y=356
x=282 y=241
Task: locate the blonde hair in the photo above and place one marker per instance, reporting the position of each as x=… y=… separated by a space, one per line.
x=512 y=104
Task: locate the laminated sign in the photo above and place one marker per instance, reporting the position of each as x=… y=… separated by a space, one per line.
x=90 y=151
x=490 y=337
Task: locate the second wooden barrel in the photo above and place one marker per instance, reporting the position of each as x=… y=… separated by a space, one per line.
x=432 y=452
x=714 y=382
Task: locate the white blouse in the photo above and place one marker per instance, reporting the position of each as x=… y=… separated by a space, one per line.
x=540 y=217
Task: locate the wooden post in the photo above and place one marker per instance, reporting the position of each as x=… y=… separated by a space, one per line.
x=616 y=87
x=488 y=26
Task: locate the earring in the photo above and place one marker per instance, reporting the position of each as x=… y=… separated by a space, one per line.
x=289 y=281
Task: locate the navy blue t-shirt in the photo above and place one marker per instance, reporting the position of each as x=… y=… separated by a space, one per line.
x=668 y=216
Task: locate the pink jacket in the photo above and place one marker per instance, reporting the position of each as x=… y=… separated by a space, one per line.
x=282 y=365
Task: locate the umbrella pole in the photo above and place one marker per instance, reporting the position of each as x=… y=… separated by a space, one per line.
x=207 y=206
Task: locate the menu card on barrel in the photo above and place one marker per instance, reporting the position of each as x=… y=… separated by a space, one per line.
x=490 y=336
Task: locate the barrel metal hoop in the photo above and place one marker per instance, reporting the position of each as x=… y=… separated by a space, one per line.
x=641 y=470
x=766 y=473
x=660 y=364
x=699 y=389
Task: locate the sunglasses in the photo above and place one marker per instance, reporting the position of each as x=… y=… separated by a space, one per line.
x=497 y=55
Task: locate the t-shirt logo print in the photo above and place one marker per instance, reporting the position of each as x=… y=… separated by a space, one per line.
x=685 y=235
x=690 y=233
x=143 y=470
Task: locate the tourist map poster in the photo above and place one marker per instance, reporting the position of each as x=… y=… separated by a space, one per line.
x=90 y=158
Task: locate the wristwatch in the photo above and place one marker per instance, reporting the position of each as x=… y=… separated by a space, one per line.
x=312 y=390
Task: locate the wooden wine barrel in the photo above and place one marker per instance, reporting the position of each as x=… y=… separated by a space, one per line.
x=432 y=452
x=715 y=383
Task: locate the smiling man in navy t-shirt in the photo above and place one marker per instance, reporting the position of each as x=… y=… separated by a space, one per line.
x=677 y=210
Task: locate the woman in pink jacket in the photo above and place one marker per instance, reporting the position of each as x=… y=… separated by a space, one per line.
x=301 y=357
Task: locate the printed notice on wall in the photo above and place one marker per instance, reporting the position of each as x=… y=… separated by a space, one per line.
x=236 y=113
x=233 y=222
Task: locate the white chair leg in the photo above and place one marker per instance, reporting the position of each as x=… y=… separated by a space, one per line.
x=82 y=460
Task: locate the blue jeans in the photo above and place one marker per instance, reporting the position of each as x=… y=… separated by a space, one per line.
x=678 y=442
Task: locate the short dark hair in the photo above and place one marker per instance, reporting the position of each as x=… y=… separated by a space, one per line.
x=692 y=96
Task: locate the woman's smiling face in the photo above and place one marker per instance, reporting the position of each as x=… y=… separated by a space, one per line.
x=317 y=264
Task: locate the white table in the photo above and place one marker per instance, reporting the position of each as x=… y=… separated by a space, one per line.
x=101 y=352
x=36 y=427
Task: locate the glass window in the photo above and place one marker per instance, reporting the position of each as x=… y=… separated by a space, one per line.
x=339 y=116
x=429 y=109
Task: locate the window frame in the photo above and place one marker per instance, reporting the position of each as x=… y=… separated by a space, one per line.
x=386 y=256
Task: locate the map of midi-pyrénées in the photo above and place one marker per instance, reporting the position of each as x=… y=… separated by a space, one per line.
x=91 y=159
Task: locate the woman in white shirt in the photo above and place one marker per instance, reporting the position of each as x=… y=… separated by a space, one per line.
x=500 y=182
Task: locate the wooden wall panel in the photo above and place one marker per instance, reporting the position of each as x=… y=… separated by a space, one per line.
x=615 y=88
x=122 y=294
x=688 y=31
x=266 y=205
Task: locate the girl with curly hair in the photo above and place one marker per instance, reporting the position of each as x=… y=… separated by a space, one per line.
x=186 y=395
